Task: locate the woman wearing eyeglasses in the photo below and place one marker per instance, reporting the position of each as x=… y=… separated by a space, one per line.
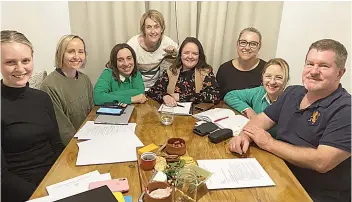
x=244 y=71
x=252 y=101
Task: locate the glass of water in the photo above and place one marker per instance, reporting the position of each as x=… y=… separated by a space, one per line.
x=167 y=116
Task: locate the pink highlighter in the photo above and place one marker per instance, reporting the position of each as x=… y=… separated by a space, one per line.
x=120 y=184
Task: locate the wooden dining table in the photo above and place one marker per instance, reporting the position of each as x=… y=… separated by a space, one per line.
x=149 y=130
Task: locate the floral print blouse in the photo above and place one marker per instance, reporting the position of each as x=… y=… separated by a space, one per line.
x=185 y=86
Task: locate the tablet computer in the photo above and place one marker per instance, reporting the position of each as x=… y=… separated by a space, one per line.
x=115 y=120
x=110 y=111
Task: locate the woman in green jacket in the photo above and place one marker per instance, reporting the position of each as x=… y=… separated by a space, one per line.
x=253 y=101
x=120 y=81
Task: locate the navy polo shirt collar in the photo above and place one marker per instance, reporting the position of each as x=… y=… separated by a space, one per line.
x=298 y=96
x=324 y=102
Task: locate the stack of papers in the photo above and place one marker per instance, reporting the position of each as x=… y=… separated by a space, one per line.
x=178 y=110
x=235 y=173
x=224 y=118
x=107 y=143
x=121 y=148
x=72 y=186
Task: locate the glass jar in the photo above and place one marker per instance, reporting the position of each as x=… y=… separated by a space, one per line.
x=187 y=170
x=186 y=186
x=167 y=116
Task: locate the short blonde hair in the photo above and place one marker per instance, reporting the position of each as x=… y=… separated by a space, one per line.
x=254 y=30
x=9 y=36
x=155 y=16
x=61 y=48
x=284 y=66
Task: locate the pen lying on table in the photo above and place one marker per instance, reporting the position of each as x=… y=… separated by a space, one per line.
x=180 y=105
x=217 y=120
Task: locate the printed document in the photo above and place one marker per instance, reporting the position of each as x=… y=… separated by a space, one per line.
x=235 y=173
x=91 y=130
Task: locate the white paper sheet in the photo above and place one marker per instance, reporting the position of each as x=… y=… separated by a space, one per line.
x=91 y=130
x=120 y=148
x=235 y=173
x=185 y=110
x=75 y=185
x=235 y=123
x=42 y=199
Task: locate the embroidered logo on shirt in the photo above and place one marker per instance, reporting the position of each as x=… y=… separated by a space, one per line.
x=314 y=117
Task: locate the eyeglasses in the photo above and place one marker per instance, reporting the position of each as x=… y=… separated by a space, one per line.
x=276 y=78
x=252 y=44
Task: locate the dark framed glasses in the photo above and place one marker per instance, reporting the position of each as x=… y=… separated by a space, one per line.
x=252 y=44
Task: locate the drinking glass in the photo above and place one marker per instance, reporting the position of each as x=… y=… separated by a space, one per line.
x=167 y=116
x=186 y=186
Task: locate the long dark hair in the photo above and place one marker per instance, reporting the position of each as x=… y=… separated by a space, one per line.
x=113 y=60
x=201 y=62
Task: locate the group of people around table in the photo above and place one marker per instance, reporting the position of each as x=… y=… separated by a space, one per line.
x=308 y=126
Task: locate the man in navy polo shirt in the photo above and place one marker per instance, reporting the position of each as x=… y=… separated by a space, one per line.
x=314 y=126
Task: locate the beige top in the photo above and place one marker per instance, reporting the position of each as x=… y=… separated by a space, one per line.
x=199 y=77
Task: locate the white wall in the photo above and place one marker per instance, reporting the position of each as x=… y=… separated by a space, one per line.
x=43 y=23
x=303 y=23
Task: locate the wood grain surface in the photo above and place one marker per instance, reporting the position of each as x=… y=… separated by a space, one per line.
x=150 y=130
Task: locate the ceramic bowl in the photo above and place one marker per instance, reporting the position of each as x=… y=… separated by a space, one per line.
x=179 y=149
x=157 y=185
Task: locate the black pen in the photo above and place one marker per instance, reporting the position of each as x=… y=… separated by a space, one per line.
x=180 y=105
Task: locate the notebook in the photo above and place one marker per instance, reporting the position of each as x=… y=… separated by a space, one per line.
x=116 y=120
x=214 y=115
x=99 y=194
x=224 y=118
x=183 y=108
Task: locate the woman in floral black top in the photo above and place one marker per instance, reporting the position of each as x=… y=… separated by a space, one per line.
x=189 y=79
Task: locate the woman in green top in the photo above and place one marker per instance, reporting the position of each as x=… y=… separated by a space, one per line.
x=120 y=81
x=252 y=101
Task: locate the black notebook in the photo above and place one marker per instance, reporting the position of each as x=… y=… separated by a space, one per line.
x=95 y=195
